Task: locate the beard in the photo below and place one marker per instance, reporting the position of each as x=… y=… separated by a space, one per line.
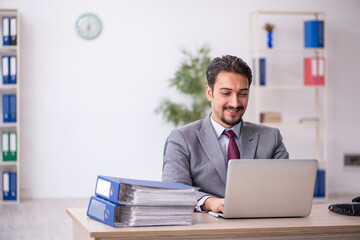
x=232 y=122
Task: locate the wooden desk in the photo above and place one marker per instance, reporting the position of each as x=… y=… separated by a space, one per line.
x=320 y=224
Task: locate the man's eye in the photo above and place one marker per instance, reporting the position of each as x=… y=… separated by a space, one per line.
x=226 y=93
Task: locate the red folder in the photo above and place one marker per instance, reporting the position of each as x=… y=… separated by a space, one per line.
x=314 y=71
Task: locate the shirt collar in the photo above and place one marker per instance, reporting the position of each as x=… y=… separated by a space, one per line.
x=220 y=129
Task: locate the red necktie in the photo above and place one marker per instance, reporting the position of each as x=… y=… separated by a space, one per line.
x=233 y=150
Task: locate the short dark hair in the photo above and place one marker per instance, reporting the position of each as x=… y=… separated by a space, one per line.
x=227 y=63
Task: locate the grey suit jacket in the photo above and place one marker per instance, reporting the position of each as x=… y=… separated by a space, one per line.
x=194 y=157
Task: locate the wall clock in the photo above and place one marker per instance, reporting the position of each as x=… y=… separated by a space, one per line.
x=88 y=26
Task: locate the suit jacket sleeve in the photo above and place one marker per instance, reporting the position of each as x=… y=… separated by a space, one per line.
x=280 y=151
x=176 y=165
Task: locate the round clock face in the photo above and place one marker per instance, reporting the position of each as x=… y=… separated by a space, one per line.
x=88 y=26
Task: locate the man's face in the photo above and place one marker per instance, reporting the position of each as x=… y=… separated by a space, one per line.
x=229 y=98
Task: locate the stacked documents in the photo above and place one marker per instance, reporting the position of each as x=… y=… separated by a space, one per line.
x=129 y=202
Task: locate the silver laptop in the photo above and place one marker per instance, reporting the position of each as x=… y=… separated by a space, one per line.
x=269 y=188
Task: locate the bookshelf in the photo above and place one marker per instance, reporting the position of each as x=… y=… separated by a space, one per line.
x=10 y=128
x=302 y=107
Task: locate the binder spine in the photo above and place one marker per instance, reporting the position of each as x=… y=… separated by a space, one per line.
x=5 y=146
x=262 y=71
x=5 y=69
x=6 y=108
x=9 y=186
x=6 y=31
x=12 y=107
x=12 y=146
x=107 y=189
x=13 y=31
x=102 y=210
x=13 y=69
x=314 y=34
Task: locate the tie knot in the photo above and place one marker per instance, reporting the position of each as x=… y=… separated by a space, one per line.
x=229 y=134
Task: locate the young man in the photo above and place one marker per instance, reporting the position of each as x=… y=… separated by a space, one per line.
x=197 y=153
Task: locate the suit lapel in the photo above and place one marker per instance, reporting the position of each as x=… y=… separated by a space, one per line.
x=211 y=146
x=249 y=141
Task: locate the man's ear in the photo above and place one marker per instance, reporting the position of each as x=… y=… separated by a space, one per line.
x=209 y=93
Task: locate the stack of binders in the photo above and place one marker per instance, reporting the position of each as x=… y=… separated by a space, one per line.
x=121 y=202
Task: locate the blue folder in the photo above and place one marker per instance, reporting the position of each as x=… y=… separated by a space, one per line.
x=119 y=215
x=5 y=69
x=319 y=190
x=9 y=108
x=110 y=187
x=9 y=186
x=12 y=107
x=6 y=31
x=262 y=71
x=314 y=34
x=12 y=69
x=13 y=31
x=102 y=210
x=6 y=108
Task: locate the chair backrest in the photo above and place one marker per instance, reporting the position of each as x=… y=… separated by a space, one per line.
x=165 y=146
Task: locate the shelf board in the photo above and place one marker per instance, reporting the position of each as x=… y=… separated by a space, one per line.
x=8 y=48
x=9 y=163
x=9 y=201
x=297 y=123
x=290 y=50
x=8 y=87
x=286 y=87
x=8 y=125
x=289 y=12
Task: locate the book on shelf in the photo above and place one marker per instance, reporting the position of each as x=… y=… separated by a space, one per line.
x=270 y=117
x=9 y=186
x=314 y=69
x=131 y=202
x=314 y=34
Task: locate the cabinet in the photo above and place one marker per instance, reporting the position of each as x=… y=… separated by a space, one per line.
x=281 y=90
x=10 y=106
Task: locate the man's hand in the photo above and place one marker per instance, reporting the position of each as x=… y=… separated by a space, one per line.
x=213 y=204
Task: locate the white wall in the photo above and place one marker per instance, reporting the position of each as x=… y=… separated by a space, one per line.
x=86 y=103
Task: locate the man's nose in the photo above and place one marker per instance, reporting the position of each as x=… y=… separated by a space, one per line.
x=234 y=101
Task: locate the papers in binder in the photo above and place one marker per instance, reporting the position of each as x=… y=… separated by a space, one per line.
x=130 y=202
x=118 y=215
x=143 y=192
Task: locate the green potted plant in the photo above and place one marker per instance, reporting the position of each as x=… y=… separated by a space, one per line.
x=190 y=79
